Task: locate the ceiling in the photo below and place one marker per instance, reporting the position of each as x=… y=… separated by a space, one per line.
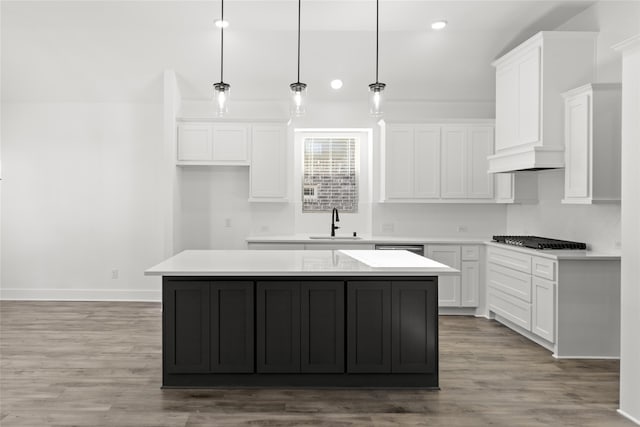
x=116 y=51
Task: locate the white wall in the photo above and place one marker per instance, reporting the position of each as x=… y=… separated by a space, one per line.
x=80 y=198
x=630 y=343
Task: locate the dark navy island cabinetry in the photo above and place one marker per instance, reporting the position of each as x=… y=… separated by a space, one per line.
x=300 y=331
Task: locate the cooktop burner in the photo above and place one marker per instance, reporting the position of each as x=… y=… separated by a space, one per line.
x=536 y=242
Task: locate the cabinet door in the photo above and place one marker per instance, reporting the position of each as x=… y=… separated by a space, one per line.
x=278 y=326
x=369 y=327
x=454 y=153
x=399 y=158
x=426 y=162
x=194 y=142
x=504 y=187
x=506 y=107
x=232 y=327
x=529 y=96
x=543 y=307
x=230 y=143
x=470 y=280
x=448 y=286
x=480 y=146
x=268 y=176
x=577 y=130
x=322 y=327
x=186 y=326
x=414 y=312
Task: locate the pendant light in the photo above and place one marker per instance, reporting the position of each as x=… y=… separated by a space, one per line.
x=298 y=89
x=221 y=89
x=375 y=89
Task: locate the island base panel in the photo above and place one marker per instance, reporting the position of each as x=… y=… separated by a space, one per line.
x=300 y=332
x=421 y=381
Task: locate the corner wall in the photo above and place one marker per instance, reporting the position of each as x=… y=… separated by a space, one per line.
x=80 y=200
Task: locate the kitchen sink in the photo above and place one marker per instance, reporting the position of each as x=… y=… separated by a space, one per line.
x=335 y=237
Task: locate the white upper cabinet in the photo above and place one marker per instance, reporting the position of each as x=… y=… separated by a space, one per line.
x=399 y=157
x=454 y=165
x=480 y=146
x=231 y=143
x=268 y=170
x=426 y=162
x=437 y=163
x=412 y=156
x=516 y=187
x=213 y=144
x=194 y=142
x=529 y=109
x=592 y=143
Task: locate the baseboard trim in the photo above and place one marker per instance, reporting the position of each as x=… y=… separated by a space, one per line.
x=629 y=417
x=81 y=295
x=555 y=356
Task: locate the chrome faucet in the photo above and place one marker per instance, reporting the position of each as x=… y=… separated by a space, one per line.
x=334 y=227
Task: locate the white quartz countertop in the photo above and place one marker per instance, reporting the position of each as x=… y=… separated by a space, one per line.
x=298 y=263
x=560 y=254
x=365 y=239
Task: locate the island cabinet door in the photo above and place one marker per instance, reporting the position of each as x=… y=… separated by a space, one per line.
x=186 y=326
x=369 y=327
x=278 y=326
x=322 y=326
x=232 y=327
x=414 y=326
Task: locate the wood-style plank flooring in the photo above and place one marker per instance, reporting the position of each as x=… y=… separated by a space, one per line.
x=99 y=363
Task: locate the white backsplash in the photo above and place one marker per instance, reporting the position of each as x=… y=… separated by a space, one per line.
x=596 y=225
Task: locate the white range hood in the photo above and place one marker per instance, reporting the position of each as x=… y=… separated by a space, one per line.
x=527 y=158
x=529 y=106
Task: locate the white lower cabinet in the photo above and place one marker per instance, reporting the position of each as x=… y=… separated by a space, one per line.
x=448 y=286
x=469 y=283
x=543 y=308
x=520 y=292
x=462 y=290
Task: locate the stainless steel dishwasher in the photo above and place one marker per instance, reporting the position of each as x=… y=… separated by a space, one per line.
x=416 y=249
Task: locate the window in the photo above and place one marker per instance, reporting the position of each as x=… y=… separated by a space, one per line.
x=330 y=175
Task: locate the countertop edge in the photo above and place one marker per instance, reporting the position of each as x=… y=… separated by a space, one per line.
x=560 y=255
x=366 y=240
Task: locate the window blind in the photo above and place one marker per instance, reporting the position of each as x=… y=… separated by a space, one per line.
x=330 y=175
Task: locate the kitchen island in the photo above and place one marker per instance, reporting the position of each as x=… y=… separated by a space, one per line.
x=300 y=318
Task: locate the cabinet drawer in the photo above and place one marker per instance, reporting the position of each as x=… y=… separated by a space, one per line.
x=513 y=309
x=470 y=253
x=543 y=267
x=514 y=283
x=512 y=259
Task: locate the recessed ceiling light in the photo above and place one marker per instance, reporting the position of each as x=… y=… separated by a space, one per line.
x=336 y=84
x=220 y=23
x=438 y=25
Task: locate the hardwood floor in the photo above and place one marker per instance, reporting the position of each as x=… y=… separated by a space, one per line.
x=99 y=363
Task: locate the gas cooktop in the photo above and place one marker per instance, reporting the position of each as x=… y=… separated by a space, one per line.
x=537 y=242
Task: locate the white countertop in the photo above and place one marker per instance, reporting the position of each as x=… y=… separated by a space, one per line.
x=366 y=239
x=298 y=263
x=560 y=254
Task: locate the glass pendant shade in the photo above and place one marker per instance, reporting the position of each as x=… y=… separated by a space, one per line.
x=298 y=98
x=221 y=98
x=376 y=91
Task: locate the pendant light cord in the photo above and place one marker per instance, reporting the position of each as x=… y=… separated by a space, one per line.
x=299 y=7
x=377 y=24
x=222 y=43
